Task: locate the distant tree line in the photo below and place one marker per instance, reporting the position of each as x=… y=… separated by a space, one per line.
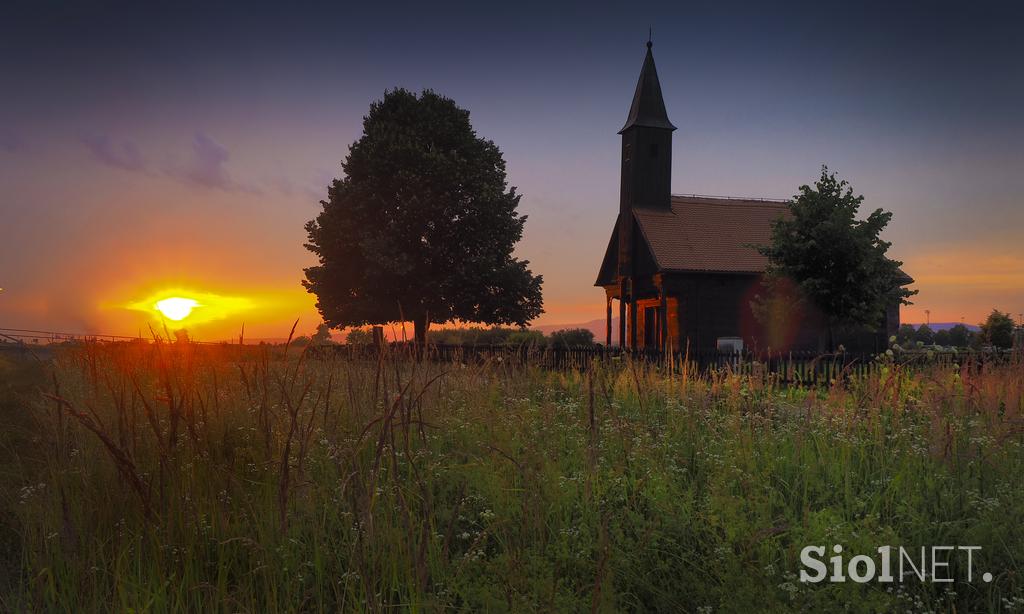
x=493 y=335
x=997 y=331
x=322 y=336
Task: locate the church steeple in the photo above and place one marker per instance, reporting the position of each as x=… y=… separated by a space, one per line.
x=646 y=146
x=648 y=108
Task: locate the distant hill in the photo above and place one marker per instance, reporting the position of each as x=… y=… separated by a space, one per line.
x=597 y=327
x=937 y=326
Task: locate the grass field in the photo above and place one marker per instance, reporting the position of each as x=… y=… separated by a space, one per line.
x=181 y=477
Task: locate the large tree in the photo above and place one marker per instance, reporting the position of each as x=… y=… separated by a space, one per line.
x=422 y=225
x=838 y=262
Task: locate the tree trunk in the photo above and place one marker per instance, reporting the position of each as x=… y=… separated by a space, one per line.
x=420 y=326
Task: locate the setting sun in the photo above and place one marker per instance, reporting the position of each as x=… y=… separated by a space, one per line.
x=196 y=307
x=176 y=308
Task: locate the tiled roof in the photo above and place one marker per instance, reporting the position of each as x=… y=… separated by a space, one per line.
x=710 y=234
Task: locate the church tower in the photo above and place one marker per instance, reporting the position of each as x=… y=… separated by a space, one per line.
x=646 y=158
x=647 y=145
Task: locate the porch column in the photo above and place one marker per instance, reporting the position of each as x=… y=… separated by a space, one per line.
x=608 y=318
x=632 y=315
x=622 y=313
x=663 y=320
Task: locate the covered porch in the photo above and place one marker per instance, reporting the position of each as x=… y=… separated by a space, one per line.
x=648 y=314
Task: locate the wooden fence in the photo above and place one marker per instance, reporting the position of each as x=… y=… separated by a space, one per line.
x=801 y=368
x=810 y=368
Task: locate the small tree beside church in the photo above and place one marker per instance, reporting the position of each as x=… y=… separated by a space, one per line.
x=837 y=262
x=422 y=226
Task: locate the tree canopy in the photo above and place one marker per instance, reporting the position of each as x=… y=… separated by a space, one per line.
x=837 y=262
x=422 y=225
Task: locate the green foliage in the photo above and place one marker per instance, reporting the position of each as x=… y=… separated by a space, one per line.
x=943 y=338
x=837 y=261
x=527 y=337
x=422 y=226
x=572 y=337
x=494 y=335
x=997 y=329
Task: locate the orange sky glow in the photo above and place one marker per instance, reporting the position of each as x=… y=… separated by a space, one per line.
x=964 y=283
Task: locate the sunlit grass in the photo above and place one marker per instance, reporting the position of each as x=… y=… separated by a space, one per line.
x=201 y=478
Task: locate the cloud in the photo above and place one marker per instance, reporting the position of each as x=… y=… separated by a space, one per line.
x=322 y=179
x=208 y=163
x=313 y=190
x=12 y=142
x=208 y=166
x=124 y=155
x=316 y=188
x=205 y=167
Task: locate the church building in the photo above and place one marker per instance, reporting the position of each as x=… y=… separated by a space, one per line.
x=683 y=268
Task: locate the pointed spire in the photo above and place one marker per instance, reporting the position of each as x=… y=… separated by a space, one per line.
x=648 y=107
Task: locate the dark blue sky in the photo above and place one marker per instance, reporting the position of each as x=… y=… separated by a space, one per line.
x=175 y=121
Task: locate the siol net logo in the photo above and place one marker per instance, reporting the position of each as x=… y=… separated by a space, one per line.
x=930 y=564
